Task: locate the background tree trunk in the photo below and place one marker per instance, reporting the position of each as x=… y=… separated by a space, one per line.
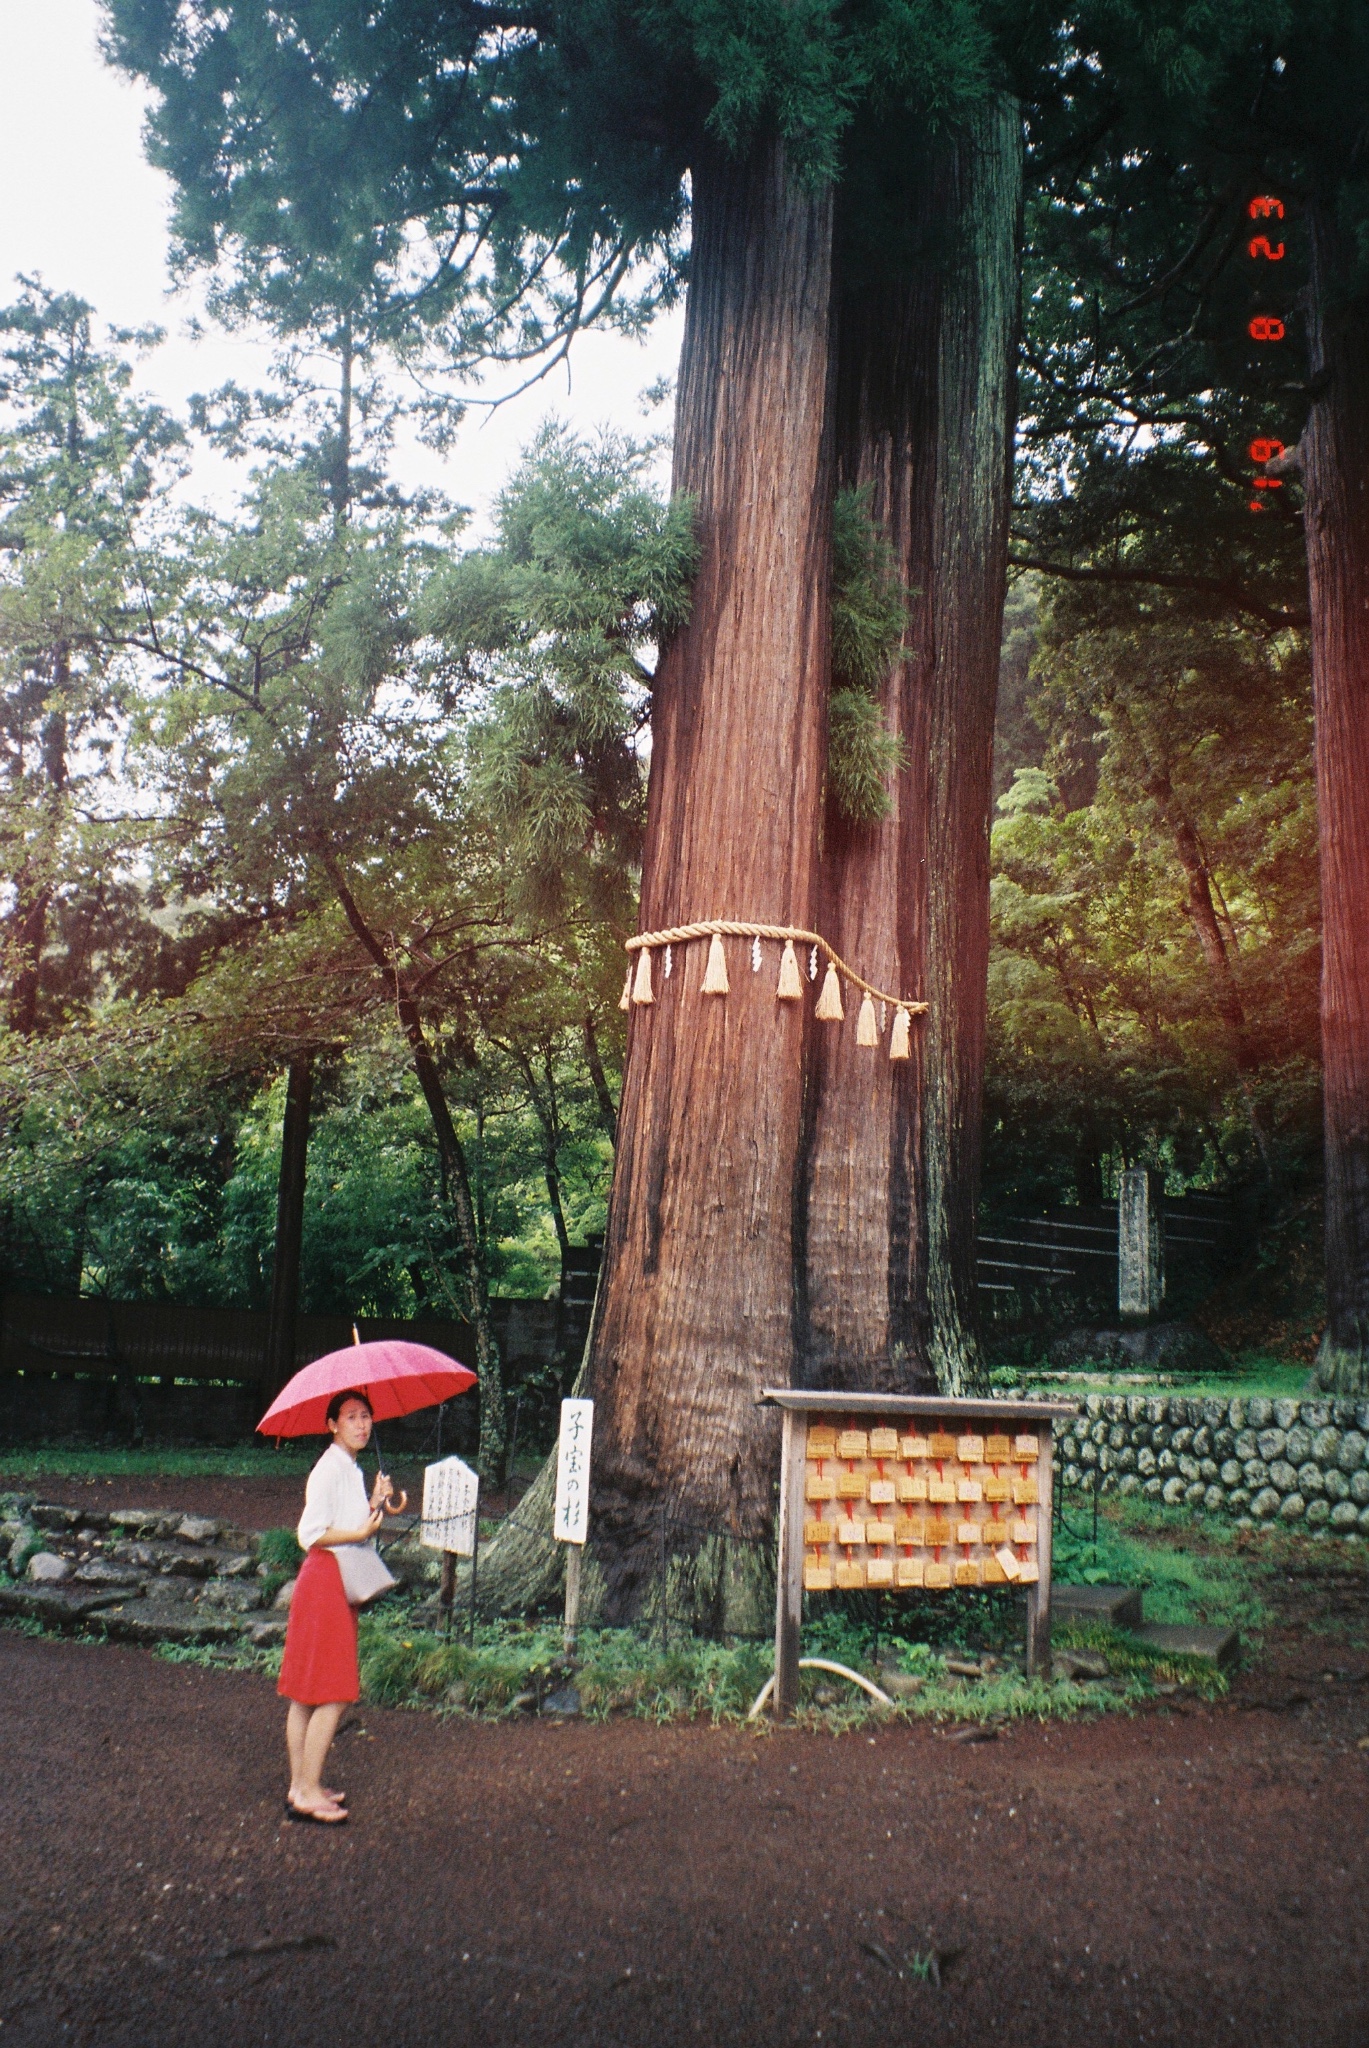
x=976 y=417
x=1335 y=467
x=696 y=1302
x=294 y=1160
x=924 y=421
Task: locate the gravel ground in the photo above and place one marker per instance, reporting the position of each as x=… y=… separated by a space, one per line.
x=1194 y=1876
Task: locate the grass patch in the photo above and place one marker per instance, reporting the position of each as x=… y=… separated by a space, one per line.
x=1189 y=1567
x=28 y=1462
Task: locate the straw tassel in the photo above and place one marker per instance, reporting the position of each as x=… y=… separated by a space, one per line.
x=790 y=989
x=625 y=999
x=829 y=1010
x=715 y=974
x=867 y=1032
x=641 y=988
x=899 y=1047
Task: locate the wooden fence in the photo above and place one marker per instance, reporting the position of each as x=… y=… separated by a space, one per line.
x=162 y=1369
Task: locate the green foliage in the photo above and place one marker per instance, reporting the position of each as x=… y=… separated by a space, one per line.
x=869 y=614
x=1153 y=984
x=278 y=1548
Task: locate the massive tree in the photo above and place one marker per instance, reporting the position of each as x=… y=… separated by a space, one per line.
x=559 y=143
x=696 y=1298
x=927 y=320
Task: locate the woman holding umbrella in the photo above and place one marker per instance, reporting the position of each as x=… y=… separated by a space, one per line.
x=343 y=1393
x=318 y=1673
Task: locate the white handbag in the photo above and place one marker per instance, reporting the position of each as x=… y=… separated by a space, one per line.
x=364 y=1576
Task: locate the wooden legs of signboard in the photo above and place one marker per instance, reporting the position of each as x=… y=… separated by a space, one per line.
x=447 y=1590
x=446 y=1595
x=1039 y=1595
x=573 y=1553
x=789 y=1576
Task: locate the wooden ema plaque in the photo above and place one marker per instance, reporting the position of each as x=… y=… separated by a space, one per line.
x=893 y=1493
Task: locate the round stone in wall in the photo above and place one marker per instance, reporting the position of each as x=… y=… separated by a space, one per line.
x=1283 y=1475
x=1293 y=1509
x=1350 y=1456
x=1173 y=1491
x=1311 y=1478
x=1344 y=1515
x=1265 y=1504
x=1318 y=1512
x=1298 y=1446
x=1214 y=1500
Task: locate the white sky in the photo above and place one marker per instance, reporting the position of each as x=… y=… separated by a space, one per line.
x=83 y=209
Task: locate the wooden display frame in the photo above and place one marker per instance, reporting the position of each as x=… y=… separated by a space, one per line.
x=946 y=1427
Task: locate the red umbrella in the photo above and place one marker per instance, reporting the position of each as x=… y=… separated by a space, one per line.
x=396 y=1379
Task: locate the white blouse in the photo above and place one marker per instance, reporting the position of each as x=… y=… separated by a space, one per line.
x=335 y=1497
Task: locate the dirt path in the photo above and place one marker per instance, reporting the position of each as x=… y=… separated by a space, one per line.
x=1194 y=1877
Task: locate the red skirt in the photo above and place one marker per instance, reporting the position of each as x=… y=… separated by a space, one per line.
x=319 y=1667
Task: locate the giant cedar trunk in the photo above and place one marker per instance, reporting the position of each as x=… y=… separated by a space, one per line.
x=1335 y=465
x=924 y=420
x=695 y=1308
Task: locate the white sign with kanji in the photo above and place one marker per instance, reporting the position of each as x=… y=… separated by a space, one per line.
x=570 y=1523
x=450 y=1490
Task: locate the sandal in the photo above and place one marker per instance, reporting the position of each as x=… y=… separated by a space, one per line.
x=321 y=1820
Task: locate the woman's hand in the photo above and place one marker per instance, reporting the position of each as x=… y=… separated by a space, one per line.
x=380 y=1492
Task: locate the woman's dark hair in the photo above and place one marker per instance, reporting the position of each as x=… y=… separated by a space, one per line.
x=352 y=1394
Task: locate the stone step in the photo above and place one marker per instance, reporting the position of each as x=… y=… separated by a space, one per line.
x=190 y=1561
x=56 y=1605
x=1219 y=1646
x=1117 y=1606
x=162 y=1621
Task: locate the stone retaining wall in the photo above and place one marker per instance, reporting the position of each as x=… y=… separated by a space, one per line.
x=1302 y=1462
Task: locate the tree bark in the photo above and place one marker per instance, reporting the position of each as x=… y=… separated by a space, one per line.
x=294 y=1161
x=696 y=1299
x=924 y=421
x=1335 y=468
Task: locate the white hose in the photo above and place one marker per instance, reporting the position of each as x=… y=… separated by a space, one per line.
x=822 y=1664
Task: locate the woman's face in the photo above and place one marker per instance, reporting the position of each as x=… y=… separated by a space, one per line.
x=353 y=1426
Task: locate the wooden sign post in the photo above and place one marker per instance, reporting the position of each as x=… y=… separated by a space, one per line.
x=570 y=1516
x=451 y=1523
x=897 y=1492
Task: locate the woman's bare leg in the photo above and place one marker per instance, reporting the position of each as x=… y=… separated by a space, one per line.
x=296 y=1724
x=308 y=1791
x=296 y=1721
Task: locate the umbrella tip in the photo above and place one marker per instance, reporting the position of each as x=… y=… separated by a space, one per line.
x=356 y=1334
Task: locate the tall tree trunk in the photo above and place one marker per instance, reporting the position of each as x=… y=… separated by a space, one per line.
x=294 y=1162
x=1202 y=915
x=1335 y=469
x=455 y=1176
x=35 y=884
x=608 y=1114
x=695 y=1310
x=925 y=413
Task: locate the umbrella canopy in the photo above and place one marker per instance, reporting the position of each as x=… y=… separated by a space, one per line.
x=396 y=1379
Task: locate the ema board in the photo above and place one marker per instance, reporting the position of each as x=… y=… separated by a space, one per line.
x=912 y=1494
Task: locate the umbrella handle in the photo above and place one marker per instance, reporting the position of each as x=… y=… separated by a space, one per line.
x=403 y=1503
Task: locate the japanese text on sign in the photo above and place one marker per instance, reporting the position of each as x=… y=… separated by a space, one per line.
x=450 y=1491
x=570 y=1523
